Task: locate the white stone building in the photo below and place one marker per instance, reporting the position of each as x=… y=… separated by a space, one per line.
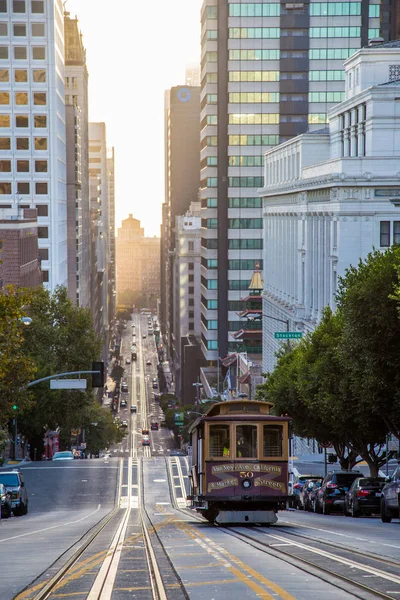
x=331 y=196
x=32 y=124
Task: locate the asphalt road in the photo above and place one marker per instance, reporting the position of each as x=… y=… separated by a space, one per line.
x=65 y=501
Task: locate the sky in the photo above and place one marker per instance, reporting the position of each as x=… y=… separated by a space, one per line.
x=135 y=50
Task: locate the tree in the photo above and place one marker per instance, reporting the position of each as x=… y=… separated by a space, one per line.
x=368 y=304
x=16 y=367
x=101 y=431
x=60 y=339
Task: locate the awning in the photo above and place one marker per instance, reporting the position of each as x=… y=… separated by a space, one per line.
x=245 y=378
x=229 y=360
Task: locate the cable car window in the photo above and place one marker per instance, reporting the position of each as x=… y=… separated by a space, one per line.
x=246 y=441
x=273 y=440
x=219 y=441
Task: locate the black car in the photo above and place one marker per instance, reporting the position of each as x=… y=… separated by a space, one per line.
x=364 y=496
x=6 y=508
x=390 y=500
x=333 y=490
x=15 y=486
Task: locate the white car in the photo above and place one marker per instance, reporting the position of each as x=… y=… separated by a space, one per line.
x=128 y=361
x=65 y=455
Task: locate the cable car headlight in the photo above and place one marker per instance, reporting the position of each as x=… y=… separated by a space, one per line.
x=246 y=483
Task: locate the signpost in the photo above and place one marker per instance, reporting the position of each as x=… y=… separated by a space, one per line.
x=288 y=335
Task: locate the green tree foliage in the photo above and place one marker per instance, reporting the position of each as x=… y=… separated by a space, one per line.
x=16 y=367
x=342 y=382
x=60 y=339
x=101 y=431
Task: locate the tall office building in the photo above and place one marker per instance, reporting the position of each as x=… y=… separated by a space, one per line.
x=111 y=232
x=270 y=71
x=192 y=75
x=32 y=124
x=78 y=202
x=182 y=182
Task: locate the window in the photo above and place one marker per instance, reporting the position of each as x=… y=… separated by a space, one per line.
x=373 y=33
x=4 y=120
x=39 y=53
x=5 y=166
x=20 y=75
x=43 y=252
x=21 y=121
x=41 y=188
x=23 y=187
x=374 y=11
x=5 y=187
x=4 y=98
x=191 y=246
x=3 y=6
x=42 y=210
x=253 y=97
x=327 y=75
x=245 y=223
x=219 y=440
x=244 y=244
x=254 y=54
x=212 y=324
x=191 y=278
x=212 y=203
x=331 y=53
x=40 y=121
x=37 y=29
x=3 y=29
x=190 y=266
x=37 y=6
x=209 y=223
x=246 y=182
x=20 y=52
x=39 y=75
x=245 y=202
x=326 y=97
x=251 y=33
x=245 y=265
x=39 y=98
x=23 y=166
x=22 y=143
x=191 y=301
x=318 y=118
x=254 y=10
x=40 y=143
x=246 y=441
x=237 y=284
x=212 y=34
x=21 y=98
x=273 y=440
x=212 y=284
x=19 y=6
x=253 y=140
x=3 y=52
x=212 y=345
x=45 y=276
x=40 y=166
x=5 y=143
x=385 y=234
x=19 y=30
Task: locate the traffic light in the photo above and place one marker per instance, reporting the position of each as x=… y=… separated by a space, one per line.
x=15 y=407
x=98 y=378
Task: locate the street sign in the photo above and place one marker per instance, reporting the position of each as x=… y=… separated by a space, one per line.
x=288 y=335
x=68 y=384
x=392 y=443
x=179 y=418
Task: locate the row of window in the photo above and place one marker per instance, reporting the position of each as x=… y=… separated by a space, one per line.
x=338 y=75
x=20 y=30
x=335 y=9
x=23 y=166
x=23 y=188
x=252 y=97
x=233 y=284
x=253 y=140
x=22 y=98
x=318 y=118
x=326 y=97
x=244 y=182
x=251 y=76
x=389 y=230
x=253 y=54
x=20 y=6
x=233 y=265
x=335 y=32
x=253 y=33
x=39 y=121
x=236 y=202
x=254 y=10
x=22 y=143
x=240 y=441
x=331 y=53
x=21 y=75
x=234 y=244
x=21 y=52
x=254 y=119
x=254 y=223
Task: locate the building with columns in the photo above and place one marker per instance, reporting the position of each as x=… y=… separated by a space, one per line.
x=331 y=196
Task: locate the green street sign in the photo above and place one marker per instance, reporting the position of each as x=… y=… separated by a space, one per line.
x=288 y=335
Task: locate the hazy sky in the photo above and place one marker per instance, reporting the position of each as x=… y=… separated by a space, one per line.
x=136 y=49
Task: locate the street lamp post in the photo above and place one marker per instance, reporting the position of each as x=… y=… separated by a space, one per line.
x=197 y=385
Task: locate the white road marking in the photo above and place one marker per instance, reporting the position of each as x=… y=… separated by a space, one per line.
x=14 y=537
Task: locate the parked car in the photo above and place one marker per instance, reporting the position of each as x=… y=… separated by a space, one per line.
x=333 y=490
x=298 y=484
x=154 y=426
x=364 y=496
x=14 y=483
x=390 y=499
x=124 y=386
x=133 y=408
x=304 y=499
x=313 y=495
x=6 y=506
x=63 y=455
x=155 y=385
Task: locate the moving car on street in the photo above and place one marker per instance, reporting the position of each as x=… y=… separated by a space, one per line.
x=148 y=363
x=146 y=440
x=124 y=424
x=124 y=386
x=133 y=408
x=64 y=455
x=364 y=496
x=390 y=499
x=128 y=361
x=154 y=426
